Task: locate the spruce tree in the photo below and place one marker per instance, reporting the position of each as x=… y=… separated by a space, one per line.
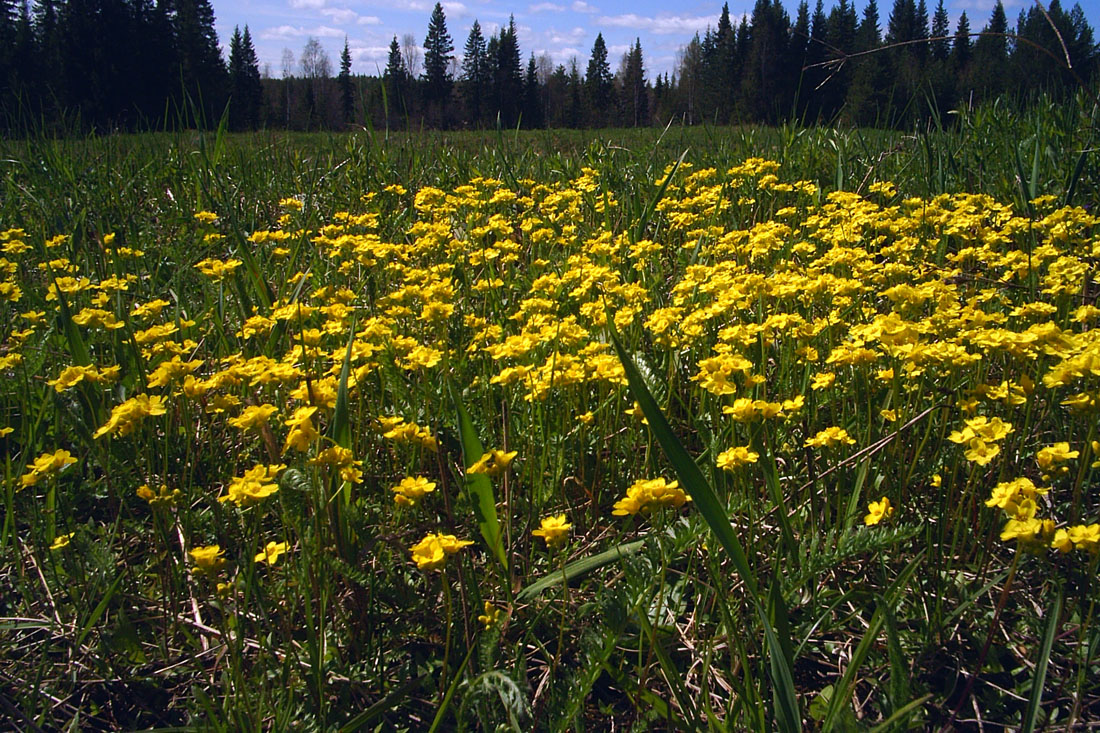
x=246 y=90
x=532 y=97
x=941 y=31
x=347 y=90
x=598 y=85
x=474 y=79
x=396 y=81
x=635 y=97
x=200 y=65
x=438 y=53
x=508 y=75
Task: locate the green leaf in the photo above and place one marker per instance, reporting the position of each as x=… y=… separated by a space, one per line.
x=341 y=425
x=478 y=485
x=712 y=510
x=1054 y=612
x=579 y=568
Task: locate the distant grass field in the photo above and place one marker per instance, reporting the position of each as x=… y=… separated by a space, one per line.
x=706 y=428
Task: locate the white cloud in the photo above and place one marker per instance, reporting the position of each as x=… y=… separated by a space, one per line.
x=580 y=6
x=314 y=4
x=659 y=25
x=340 y=15
x=569 y=37
x=545 y=8
x=369 y=20
x=289 y=32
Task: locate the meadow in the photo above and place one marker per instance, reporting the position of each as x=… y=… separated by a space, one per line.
x=697 y=428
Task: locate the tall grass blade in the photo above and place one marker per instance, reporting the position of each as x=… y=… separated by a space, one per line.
x=706 y=501
x=1075 y=178
x=643 y=221
x=843 y=691
x=478 y=485
x=341 y=425
x=1054 y=612
x=579 y=568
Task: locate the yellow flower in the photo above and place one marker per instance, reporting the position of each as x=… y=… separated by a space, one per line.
x=645 y=494
x=253 y=417
x=270 y=553
x=302 y=432
x=162 y=497
x=490 y=617
x=208 y=559
x=494 y=463
x=981 y=452
x=734 y=458
x=1048 y=458
x=877 y=511
x=411 y=490
x=431 y=552
x=555 y=530
x=62 y=541
x=256 y=484
x=46 y=465
x=830 y=437
x=126 y=417
x=341 y=459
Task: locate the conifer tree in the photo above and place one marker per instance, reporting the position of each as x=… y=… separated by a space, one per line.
x=635 y=96
x=438 y=53
x=347 y=89
x=508 y=75
x=474 y=78
x=532 y=97
x=246 y=90
x=396 y=81
x=598 y=85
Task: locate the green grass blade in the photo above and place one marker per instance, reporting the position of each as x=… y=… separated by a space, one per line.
x=446 y=704
x=340 y=430
x=98 y=611
x=900 y=714
x=843 y=691
x=643 y=221
x=1075 y=177
x=579 y=568
x=478 y=485
x=341 y=426
x=707 y=503
x=389 y=702
x=1031 y=715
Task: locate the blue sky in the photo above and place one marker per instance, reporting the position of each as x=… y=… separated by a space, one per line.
x=559 y=29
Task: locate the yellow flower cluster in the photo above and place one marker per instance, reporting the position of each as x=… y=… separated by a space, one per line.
x=649 y=494
x=256 y=484
x=47 y=465
x=411 y=490
x=431 y=552
x=127 y=416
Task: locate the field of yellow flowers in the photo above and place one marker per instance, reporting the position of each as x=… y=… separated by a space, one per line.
x=725 y=445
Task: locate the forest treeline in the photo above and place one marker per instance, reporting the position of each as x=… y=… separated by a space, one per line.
x=151 y=64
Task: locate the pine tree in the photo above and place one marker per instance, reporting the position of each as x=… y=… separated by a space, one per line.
x=396 y=81
x=598 y=85
x=347 y=89
x=508 y=75
x=438 y=53
x=246 y=90
x=635 y=96
x=991 y=55
x=941 y=31
x=532 y=97
x=960 y=48
x=474 y=79
x=199 y=59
